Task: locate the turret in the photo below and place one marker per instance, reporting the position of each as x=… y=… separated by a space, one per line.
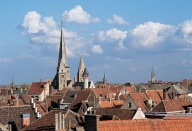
x=85 y=77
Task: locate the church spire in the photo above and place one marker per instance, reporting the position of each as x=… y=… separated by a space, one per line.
x=62 y=51
x=81 y=69
x=152 y=75
x=104 y=80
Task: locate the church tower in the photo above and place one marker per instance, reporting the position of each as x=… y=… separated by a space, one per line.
x=85 y=77
x=104 y=80
x=80 y=70
x=63 y=70
x=152 y=75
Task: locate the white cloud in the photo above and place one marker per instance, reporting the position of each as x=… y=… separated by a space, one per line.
x=113 y=35
x=117 y=20
x=186 y=28
x=45 y=31
x=32 y=22
x=78 y=15
x=97 y=49
x=149 y=33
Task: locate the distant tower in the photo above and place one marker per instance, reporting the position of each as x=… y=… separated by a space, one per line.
x=152 y=75
x=63 y=70
x=85 y=77
x=104 y=80
x=12 y=84
x=80 y=70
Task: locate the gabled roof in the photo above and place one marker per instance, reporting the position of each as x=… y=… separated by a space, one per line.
x=47 y=122
x=26 y=99
x=81 y=96
x=69 y=96
x=171 y=105
x=139 y=99
x=36 y=88
x=100 y=91
x=179 y=88
x=122 y=114
x=156 y=95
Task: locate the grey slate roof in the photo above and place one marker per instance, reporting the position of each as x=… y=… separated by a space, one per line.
x=69 y=96
x=179 y=88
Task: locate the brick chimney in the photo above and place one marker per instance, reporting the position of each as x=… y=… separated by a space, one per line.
x=164 y=94
x=92 y=122
x=185 y=83
x=25 y=120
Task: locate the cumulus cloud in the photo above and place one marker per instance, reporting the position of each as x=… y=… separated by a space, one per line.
x=77 y=14
x=117 y=20
x=113 y=35
x=97 y=49
x=45 y=31
x=150 y=33
x=186 y=28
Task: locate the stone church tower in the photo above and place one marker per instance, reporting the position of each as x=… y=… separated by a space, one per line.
x=80 y=70
x=86 y=78
x=152 y=75
x=63 y=70
x=104 y=80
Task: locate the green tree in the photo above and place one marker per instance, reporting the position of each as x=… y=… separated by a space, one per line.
x=25 y=86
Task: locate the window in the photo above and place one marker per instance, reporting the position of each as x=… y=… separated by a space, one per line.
x=129 y=105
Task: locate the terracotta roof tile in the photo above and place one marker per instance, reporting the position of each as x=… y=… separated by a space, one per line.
x=171 y=105
x=145 y=125
x=122 y=114
x=47 y=122
x=139 y=99
x=105 y=104
x=117 y=103
x=156 y=95
x=36 y=88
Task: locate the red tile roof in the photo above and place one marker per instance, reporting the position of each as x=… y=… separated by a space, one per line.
x=171 y=105
x=156 y=95
x=145 y=125
x=47 y=122
x=139 y=99
x=122 y=114
x=105 y=104
x=117 y=103
x=36 y=88
x=101 y=92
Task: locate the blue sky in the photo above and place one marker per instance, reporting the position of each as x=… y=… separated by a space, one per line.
x=121 y=38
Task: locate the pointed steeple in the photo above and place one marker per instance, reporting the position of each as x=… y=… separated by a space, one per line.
x=104 y=80
x=152 y=75
x=62 y=51
x=81 y=69
x=81 y=63
x=63 y=70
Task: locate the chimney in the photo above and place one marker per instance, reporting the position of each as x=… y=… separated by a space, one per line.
x=59 y=121
x=56 y=122
x=185 y=83
x=25 y=120
x=31 y=100
x=33 y=105
x=173 y=94
x=164 y=94
x=92 y=122
x=17 y=101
